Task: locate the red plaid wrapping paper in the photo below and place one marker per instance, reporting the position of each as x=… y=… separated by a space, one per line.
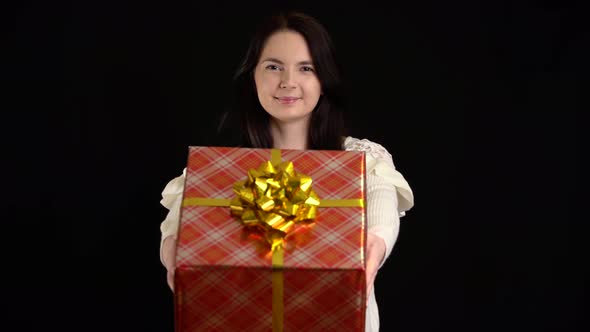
x=223 y=279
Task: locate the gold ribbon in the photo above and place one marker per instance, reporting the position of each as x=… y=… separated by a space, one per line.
x=272 y=200
x=277 y=290
x=201 y=201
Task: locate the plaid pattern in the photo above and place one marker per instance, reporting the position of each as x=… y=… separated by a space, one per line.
x=223 y=278
x=223 y=299
x=238 y=299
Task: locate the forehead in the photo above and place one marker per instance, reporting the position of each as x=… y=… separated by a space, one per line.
x=286 y=45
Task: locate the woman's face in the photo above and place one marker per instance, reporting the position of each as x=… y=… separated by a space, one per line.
x=286 y=82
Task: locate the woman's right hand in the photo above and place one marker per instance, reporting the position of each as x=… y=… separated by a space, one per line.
x=169 y=258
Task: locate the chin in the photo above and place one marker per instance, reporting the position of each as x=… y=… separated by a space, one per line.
x=282 y=117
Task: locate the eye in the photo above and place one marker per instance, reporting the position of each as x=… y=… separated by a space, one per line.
x=272 y=67
x=307 y=69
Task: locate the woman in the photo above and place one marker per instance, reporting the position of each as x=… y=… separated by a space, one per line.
x=288 y=96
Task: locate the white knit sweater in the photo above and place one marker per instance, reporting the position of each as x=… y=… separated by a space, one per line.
x=388 y=197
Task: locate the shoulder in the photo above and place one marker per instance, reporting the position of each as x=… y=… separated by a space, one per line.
x=380 y=164
x=374 y=149
x=174 y=189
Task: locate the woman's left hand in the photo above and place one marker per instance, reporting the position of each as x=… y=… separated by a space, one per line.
x=375 y=253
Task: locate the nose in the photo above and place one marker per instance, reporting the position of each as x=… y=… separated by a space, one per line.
x=287 y=80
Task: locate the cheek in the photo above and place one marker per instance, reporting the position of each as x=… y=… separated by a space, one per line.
x=314 y=89
x=265 y=81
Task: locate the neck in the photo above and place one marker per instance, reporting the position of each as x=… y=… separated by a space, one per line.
x=292 y=135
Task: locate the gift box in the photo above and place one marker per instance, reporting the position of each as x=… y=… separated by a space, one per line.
x=271 y=240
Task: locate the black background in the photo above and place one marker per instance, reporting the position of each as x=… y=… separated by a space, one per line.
x=476 y=100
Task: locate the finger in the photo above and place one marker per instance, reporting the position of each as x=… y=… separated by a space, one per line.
x=370 y=283
x=372 y=259
x=170 y=279
x=369 y=288
x=371 y=270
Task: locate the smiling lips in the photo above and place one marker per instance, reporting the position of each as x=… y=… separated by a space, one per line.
x=287 y=100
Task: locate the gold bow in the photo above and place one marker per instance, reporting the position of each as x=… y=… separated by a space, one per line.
x=273 y=199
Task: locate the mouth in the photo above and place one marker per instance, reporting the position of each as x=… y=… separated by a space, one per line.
x=287 y=100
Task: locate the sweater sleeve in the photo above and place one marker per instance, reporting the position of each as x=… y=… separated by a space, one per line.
x=388 y=194
x=383 y=214
x=171 y=199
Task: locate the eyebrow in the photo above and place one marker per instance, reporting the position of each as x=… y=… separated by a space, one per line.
x=282 y=63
